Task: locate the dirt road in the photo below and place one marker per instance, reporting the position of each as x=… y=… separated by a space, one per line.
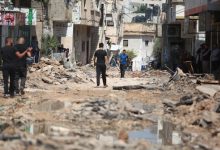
x=75 y=116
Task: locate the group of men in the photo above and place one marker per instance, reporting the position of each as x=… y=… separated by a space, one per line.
x=14 y=66
x=101 y=60
x=205 y=56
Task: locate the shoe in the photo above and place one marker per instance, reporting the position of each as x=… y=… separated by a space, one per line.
x=17 y=94
x=22 y=92
x=105 y=86
x=12 y=95
x=6 y=95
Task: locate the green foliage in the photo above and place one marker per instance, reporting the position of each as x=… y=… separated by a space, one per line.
x=142 y=9
x=49 y=44
x=131 y=54
x=157 y=49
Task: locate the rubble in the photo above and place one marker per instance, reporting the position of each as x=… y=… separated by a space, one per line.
x=69 y=115
x=52 y=72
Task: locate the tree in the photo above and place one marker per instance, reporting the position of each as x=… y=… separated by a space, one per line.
x=141 y=9
x=131 y=54
x=49 y=44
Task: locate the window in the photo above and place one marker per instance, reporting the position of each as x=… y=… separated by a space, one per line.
x=146 y=42
x=125 y=43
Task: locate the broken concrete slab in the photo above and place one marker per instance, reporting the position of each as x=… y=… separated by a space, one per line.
x=47 y=80
x=129 y=87
x=209 y=89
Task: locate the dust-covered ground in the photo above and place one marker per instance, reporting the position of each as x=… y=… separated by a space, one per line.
x=62 y=109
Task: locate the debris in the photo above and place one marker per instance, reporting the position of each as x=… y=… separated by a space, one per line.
x=202 y=123
x=129 y=87
x=185 y=100
x=208 y=82
x=47 y=80
x=177 y=75
x=217 y=108
x=209 y=89
x=9 y=137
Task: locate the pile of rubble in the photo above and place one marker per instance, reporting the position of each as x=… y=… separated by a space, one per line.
x=197 y=111
x=147 y=74
x=52 y=72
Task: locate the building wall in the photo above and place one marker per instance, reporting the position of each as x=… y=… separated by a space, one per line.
x=85 y=42
x=137 y=44
x=90 y=12
x=144 y=52
x=59 y=11
x=38 y=29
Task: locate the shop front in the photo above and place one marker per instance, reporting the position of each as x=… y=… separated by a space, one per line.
x=10 y=24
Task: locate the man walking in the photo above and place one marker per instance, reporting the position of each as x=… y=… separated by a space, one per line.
x=100 y=60
x=123 y=63
x=22 y=52
x=8 y=68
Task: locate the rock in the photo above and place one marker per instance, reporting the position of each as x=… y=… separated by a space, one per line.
x=58 y=131
x=217 y=108
x=207 y=119
x=123 y=135
x=47 y=80
x=209 y=89
x=185 y=100
x=202 y=123
x=32 y=69
x=63 y=80
x=9 y=137
x=169 y=103
x=110 y=115
x=201 y=97
x=56 y=83
x=47 y=68
x=96 y=109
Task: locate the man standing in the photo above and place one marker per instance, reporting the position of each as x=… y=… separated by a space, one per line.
x=22 y=52
x=100 y=60
x=36 y=50
x=215 y=58
x=199 y=59
x=123 y=63
x=206 y=53
x=8 y=68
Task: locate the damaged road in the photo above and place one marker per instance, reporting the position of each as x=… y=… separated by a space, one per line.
x=63 y=110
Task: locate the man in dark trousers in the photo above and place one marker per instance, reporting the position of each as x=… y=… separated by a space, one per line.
x=100 y=60
x=36 y=50
x=8 y=68
x=22 y=52
x=123 y=63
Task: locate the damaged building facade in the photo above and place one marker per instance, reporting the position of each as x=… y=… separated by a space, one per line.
x=141 y=18
x=188 y=24
x=87 y=17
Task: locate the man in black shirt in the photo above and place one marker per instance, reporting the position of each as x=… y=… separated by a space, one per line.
x=22 y=52
x=100 y=60
x=8 y=68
